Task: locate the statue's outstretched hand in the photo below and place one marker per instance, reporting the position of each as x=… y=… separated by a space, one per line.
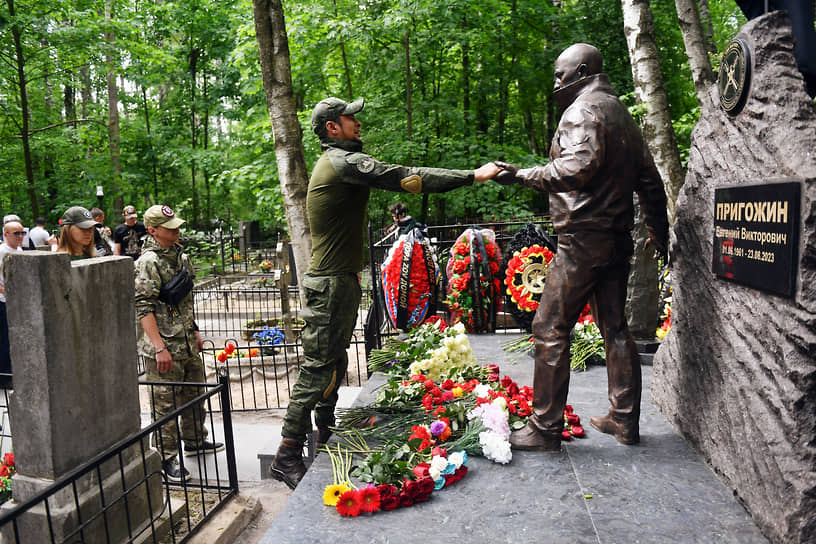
x=507 y=176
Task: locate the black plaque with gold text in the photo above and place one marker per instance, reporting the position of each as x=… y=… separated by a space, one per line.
x=756 y=235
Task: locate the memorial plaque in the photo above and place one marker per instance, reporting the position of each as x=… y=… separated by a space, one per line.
x=756 y=235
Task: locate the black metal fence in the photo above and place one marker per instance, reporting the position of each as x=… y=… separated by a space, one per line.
x=101 y=500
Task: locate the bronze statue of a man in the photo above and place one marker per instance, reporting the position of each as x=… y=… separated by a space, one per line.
x=598 y=160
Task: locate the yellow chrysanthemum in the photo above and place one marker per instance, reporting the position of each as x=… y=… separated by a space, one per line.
x=332 y=493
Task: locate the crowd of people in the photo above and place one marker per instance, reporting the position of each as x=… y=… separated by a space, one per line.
x=169 y=339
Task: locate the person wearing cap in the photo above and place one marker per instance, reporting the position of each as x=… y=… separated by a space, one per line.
x=13 y=234
x=76 y=236
x=127 y=237
x=170 y=342
x=336 y=205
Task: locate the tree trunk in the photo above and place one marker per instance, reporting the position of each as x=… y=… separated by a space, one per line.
x=24 y=113
x=707 y=26
x=649 y=90
x=696 y=49
x=658 y=132
x=193 y=63
x=113 y=117
x=276 y=71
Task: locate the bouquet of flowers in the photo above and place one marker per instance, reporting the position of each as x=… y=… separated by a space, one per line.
x=231 y=352
x=473 y=285
x=409 y=278
x=265 y=266
x=7 y=470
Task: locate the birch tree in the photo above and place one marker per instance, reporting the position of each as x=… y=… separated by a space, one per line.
x=638 y=27
x=650 y=92
x=273 y=45
x=696 y=47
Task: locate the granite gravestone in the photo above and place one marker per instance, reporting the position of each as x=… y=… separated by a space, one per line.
x=73 y=340
x=736 y=375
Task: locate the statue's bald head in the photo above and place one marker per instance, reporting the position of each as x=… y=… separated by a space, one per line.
x=576 y=62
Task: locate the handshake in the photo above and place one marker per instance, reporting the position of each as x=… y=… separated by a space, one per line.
x=500 y=172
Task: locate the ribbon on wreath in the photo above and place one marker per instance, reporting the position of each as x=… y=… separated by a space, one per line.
x=409 y=277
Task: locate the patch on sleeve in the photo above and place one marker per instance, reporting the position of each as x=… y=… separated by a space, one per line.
x=365 y=165
x=412 y=184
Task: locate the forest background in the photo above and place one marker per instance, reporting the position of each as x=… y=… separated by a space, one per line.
x=163 y=102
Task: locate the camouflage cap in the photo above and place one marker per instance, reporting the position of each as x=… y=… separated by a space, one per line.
x=162 y=216
x=330 y=109
x=79 y=216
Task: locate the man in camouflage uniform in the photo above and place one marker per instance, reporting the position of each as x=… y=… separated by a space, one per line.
x=170 y=342
x=336 y=205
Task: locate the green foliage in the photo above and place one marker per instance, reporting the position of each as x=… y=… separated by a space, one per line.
x=194 y=130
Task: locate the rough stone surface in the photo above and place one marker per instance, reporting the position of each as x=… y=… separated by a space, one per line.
x=595 y=490
x=73 y=343
x=736 y=375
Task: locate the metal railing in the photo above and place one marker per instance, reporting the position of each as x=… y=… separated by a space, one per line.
x=62 y=512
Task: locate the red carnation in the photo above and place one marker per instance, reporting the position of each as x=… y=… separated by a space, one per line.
x=578 y=431
x=9 y=459
x=565 y=435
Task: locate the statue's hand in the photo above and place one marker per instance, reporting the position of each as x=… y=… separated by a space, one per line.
x=507 y=176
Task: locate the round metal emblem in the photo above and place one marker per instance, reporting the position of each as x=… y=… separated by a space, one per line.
x=735 y=76
x=534 y=276
x=365 y=165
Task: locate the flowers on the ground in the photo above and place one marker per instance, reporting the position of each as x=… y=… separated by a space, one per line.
x=572 y=425
x=265 y=266
x=423 y=428
x=455 y=352
x=410 y=280
x=474 y=289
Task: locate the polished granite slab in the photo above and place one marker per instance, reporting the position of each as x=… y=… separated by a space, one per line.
x=594 y=490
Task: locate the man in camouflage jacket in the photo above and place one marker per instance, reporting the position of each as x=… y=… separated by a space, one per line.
x=336 y=205
x=170 y=343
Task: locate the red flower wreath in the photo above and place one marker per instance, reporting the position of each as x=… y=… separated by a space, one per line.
x=460 y=298
x=524 y=291
x=423 y=276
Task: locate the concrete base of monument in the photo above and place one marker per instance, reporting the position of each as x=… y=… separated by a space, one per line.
x=594 y=490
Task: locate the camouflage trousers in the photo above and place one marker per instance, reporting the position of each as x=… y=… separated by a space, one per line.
x=330 y=315
x=187 y=367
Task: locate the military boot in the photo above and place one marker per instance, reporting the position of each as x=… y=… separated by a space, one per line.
x=288 y=466
x=625 y=433
x=323 y=435
x=531 y=438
